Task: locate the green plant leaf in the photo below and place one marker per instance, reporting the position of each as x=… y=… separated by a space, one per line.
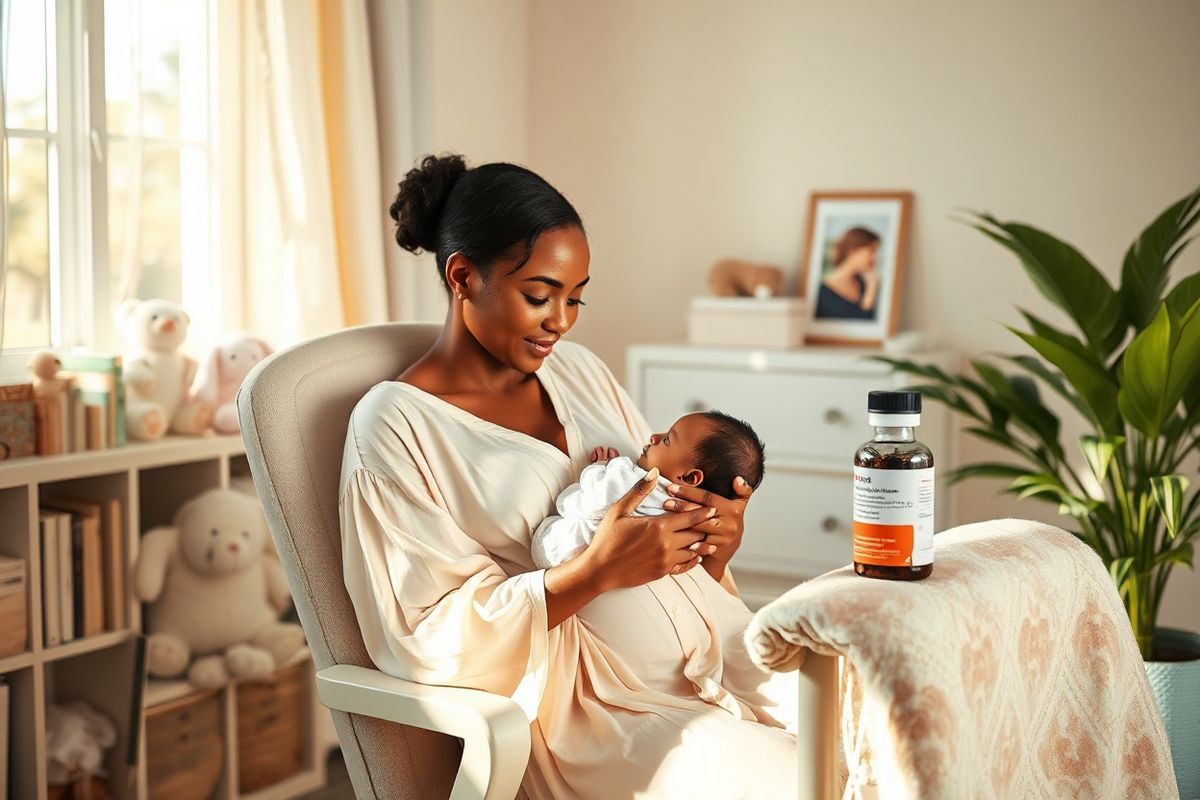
x=1086 y=374
x=1181 y=298
x=1148 y=260
x=1160 y=365
x=1018 y=397
x=1065 y=277
x=1074 y=506
x=1183 y=554
x=1098 y=450
x=1002 y=438
x=1184 y=295
x=986 y=470
x=1036 y=483
x=1053 y=379
x=1169 y=491
x=1119 y=569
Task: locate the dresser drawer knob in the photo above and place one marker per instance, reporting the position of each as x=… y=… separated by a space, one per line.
x=694 y=406
x=833 y=416
x=830 y=524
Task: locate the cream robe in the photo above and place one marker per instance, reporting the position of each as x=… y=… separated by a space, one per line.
x=646 y=692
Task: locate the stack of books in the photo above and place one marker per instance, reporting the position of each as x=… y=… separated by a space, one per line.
x=88 y=413
x=83 y=568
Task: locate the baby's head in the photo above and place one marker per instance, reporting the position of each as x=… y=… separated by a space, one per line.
x=708 y=449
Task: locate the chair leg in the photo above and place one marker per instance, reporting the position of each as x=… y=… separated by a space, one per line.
x=817 y=727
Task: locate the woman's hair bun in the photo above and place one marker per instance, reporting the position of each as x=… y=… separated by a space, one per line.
x=417 y=208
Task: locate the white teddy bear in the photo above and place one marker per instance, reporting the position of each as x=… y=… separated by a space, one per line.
x=157 y=375
x=214 y=593
x=76 y=737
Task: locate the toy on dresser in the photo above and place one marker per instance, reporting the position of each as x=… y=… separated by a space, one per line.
x=215 y=594
x=732 y=277
x=157 y=374
x=222 y=374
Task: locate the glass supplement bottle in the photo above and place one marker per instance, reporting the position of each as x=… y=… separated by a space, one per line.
x=893 y=492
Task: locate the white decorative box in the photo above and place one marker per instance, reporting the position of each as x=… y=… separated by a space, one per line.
x=776 y=322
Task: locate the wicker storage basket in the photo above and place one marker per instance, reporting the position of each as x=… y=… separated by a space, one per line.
x=14 y=619
x=185 y=747
x=271 y=734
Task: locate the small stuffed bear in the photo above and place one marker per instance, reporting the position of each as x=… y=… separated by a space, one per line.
x=214 y=593
x=222 y=374
x=76 y=737
x=157 y=375
x=733 y=278
x=44 y=365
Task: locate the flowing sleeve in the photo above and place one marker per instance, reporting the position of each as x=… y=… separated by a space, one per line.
x=432 y=605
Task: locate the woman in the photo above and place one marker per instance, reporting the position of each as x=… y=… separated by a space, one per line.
x=851 y=289
x=628 y=658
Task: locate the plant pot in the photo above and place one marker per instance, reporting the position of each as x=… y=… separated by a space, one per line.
x=1176 y=688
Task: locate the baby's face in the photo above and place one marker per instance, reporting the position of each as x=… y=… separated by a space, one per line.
x=673 y=452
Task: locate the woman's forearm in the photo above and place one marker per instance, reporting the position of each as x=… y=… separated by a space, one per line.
x=569 y=587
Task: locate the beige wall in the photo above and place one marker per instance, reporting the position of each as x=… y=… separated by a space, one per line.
x=471 y=59
x=685 y=131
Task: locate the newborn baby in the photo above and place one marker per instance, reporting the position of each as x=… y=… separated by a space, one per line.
x=707 y=449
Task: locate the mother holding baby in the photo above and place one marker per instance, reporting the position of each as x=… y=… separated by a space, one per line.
x=627 y=658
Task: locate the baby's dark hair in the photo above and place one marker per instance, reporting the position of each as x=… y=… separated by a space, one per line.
x=729 y=449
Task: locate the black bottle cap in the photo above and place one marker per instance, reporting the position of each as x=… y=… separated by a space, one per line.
x=894 y=402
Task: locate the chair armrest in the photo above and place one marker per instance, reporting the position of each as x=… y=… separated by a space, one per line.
x=494 y=729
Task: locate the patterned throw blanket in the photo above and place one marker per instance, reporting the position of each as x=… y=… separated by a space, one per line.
x=1010 y=672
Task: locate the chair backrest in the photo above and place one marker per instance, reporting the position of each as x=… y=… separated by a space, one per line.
x=294 y=409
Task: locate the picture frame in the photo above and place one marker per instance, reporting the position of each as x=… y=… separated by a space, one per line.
x=852 y=275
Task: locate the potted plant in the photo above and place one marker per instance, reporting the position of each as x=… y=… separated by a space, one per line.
x=1131 y=370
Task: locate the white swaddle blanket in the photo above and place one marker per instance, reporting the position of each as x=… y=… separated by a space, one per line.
x=582 y=506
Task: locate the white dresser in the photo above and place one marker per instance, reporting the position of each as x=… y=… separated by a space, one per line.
x=809 y=406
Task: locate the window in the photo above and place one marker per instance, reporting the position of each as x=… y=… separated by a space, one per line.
x=110 y=116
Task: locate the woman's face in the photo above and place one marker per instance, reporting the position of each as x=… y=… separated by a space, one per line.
x=518 y=318
x=862 y=259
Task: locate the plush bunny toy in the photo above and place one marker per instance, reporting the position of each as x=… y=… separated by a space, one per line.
x=215 y=593
x=223 y=372
x=157 y=374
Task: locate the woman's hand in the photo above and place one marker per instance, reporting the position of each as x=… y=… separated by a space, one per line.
x=630 y=550
x=603 y=454
x=723 y=533
x=626 y=551
x=870 y=290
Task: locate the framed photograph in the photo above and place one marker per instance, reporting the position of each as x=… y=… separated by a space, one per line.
x=853 y=271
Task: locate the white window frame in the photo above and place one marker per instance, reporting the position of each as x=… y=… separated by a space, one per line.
x=81 y=309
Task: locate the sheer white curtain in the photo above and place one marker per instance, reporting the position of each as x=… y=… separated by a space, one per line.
x=316 y=228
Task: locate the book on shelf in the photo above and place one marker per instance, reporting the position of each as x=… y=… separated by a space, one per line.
x=49 y=415
x=78 y=421
x=18 y=421
x=102 y=599
x=66 y=579
x=101 y=372
x=51 y=617
x=94 y=423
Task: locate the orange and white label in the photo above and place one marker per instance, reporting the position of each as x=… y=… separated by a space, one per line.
x=893 y=517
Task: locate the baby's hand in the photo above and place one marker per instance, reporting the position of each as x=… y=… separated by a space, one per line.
x=603 y=453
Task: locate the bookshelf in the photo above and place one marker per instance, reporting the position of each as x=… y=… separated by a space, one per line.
x=151 y=479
